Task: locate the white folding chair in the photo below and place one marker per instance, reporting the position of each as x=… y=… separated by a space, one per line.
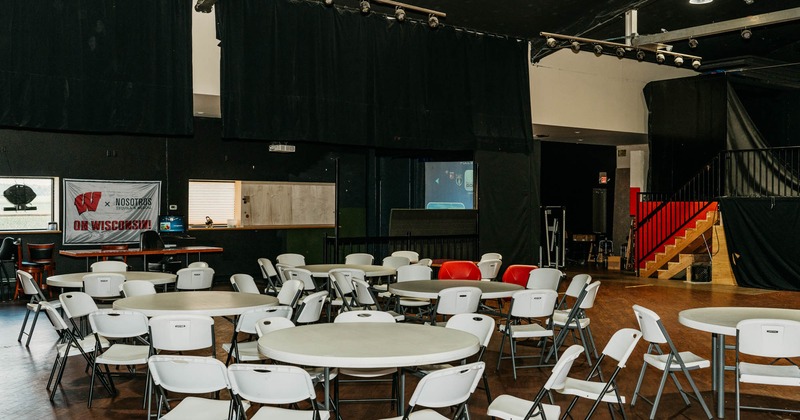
x=491 y=256
x=109 y=267
x=199 y=278
x=270 y=275
x=449 y=387
x=198 y=264
x=544 y=278
x=77 y=305
x=672 y=361
x=305 y=276
x=137 y=288
x=618 y=348
x=117 y=325
x=359 y=258
x=427 y=262
x=411 y=273
x=774 y=339
x=412 y=256
x=244 y=283
x=310 y=308
x=526 y=319
x=294 y=260
x=574 y=289
x=395 y=261
x=489 y=269
x=365 y=299
x=290 y=293
x=341 y=280
x=275 y=385
x=103 y=286
x=577 y=320
x=266 y=325
x=247 y=351
x=37 y=298
x=456 y=300
x=182 y=332
x=509 y=407
x=190 y=375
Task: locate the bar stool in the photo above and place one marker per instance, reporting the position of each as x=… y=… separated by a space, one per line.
x=41 y=264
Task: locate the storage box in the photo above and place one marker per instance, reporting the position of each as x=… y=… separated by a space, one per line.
x=614 y=262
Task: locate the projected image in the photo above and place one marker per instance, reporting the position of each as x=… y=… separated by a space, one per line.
x=449 y=185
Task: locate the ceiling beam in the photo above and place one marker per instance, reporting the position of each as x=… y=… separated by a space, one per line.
x=772 y=18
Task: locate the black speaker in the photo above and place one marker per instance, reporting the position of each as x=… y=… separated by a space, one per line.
x=599 y=210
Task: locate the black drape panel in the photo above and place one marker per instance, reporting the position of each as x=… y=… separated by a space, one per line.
x=302 y=71
x=761 y=234
x=96 y=65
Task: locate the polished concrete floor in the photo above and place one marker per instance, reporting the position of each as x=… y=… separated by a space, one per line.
x=25 y=370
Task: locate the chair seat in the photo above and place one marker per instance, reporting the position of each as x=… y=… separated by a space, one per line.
x=421 y=415
x=199 y=409
x=87 y=344
x=124 y=354
x=54 y=303
x=691 y=360
x=527 y=330
x=368 y=372
x=755 y=373
x=589 y=390
x=560 y=318
x=509 y=407
x=414 y=302
x=248 y=351
x=269 y=413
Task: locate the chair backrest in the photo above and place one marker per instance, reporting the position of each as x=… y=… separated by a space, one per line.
x=55 y=318
x=342 y=280
x=311 y=308
x=293 y=260
x=544 y=278
x=518 y=274
x=111 y=323
x=363 y=316
x=271 y=384
x=109 y=267
x=578 y=282
x=359 y=259
x=103 y=285
x=395 y=261
x=29 y=286
x=459 y=270
x=41 y=253
x=244 y=283
x=412 y=256
x=137 y=288
x=198 y=264
x=195 y=278
x=491 y=256
x=562 y=367
x=279 y=268
x=650 y=324
x=427 y=262
x=458 y=300
x=292 y=273
x=621 y=345
x=265 y=325
x=447 y=387
x=591 y=294
x=364 y=296
x=290 y=292
x=413 y=272
x=246 y=321
x=479 y=325
x=533 y=303
x=773 y=338
x=77 y=304
x=150 y=239
x=188 y=374
x=489 y=268
x=267 y=269
x=181 y=332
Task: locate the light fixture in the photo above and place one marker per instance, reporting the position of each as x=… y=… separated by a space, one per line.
x=551 y=42
x=749 y=1
x=620 y=52
x=433 y=21
x=328 y=2
x=576 y=46
x=400 y=14
x=364 y=6
x=693 y=43
x=696 y=64
x=678 y=61
x=700 y=1
x=640 y=55
x=598 y=50
x=660 y=58
x=747 y=34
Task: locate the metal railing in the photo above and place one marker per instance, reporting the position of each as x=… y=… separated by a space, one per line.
x=455 y=247
x=773 y=172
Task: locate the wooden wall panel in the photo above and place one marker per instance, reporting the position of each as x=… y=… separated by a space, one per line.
x=288 y=203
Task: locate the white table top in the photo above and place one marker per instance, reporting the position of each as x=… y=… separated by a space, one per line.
x=211 y=303
x=430 y=289
x=367 y=345
x=723 y=320
x=321 y=270
x=76 y=279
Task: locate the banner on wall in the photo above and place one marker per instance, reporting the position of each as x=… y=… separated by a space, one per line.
x=104 y=212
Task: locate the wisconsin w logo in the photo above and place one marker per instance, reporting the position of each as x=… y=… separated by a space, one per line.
x=87 y=201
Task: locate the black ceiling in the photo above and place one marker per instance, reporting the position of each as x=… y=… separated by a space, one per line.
x=604 y=20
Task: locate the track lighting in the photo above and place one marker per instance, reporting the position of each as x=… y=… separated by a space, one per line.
x=400 y=14
x=551 y=42
x=640 y=55
x=678 y=61
x=747 y=34
x=598 y=50
x=696 y=64
x=620 y=52
x=693 y=43
x=433 y=21
x=364 y=6
x=576 y=46
x=660 y=58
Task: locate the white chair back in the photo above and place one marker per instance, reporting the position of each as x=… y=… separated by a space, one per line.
x=109 y=267
x=649 y=325
x=188 y=374
x=427 y=262
x=411 y=255
x=198 y=264
x=544 y=278
x=591 y=294
x=293 y=260
x=342 y=280
x=195 y=278
x=77 y=304
x=246 y=322
x=364 y=296
x=271 y=384
x=182 y=332
x=110 y=323
x=290 y=292
x=363 y=316
x=562 y=367
x=479 y=325
x=244 y=283
x=578 y=282
x=533 y=303
x=137 y=288
x=311 y=308
x=301 y=274
x=489 y=268
x=395 y=262
x=447 y=387
x=265 y=325
x=29 y=287
x=103 y=285
x=359 y=259
x=773 y=338
x=458 y=300
x=491 y=256
x=621 y=345
x=267 y=269
x=279 y=268
x=413 y=272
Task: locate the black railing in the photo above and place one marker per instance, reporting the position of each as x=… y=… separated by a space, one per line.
x=455 y=247
x=773 y=172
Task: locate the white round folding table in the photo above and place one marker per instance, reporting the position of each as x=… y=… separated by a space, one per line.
x=367 y=345
x=721 y=322
x=429 y=289
x=211 y=303
x=75 y=280
x=321 y=270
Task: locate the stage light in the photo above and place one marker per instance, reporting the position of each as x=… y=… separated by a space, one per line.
x=693 y=43
x=696 y=64
x=400 y=14
x=640 y=55
x=551 y=42
x=620 y=52
x=598 y=49
x=364 y=6
x=678 y=61
x=660 y=58
x=747 y=34
x=433 y=21
x=576 y=46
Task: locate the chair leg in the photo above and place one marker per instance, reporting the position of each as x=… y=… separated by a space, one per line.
x=638 y=384
x=661 y=385
x=24 y=322
x=33 y=327
x=500 y=355
x=698 y=395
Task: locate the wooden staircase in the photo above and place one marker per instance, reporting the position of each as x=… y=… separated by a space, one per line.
x=678 y=257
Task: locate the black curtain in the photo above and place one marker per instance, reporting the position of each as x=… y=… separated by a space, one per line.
x=761 y=234
x=96 y=65
x=296 y=71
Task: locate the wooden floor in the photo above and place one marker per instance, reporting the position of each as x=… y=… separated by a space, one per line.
x=25 y=370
